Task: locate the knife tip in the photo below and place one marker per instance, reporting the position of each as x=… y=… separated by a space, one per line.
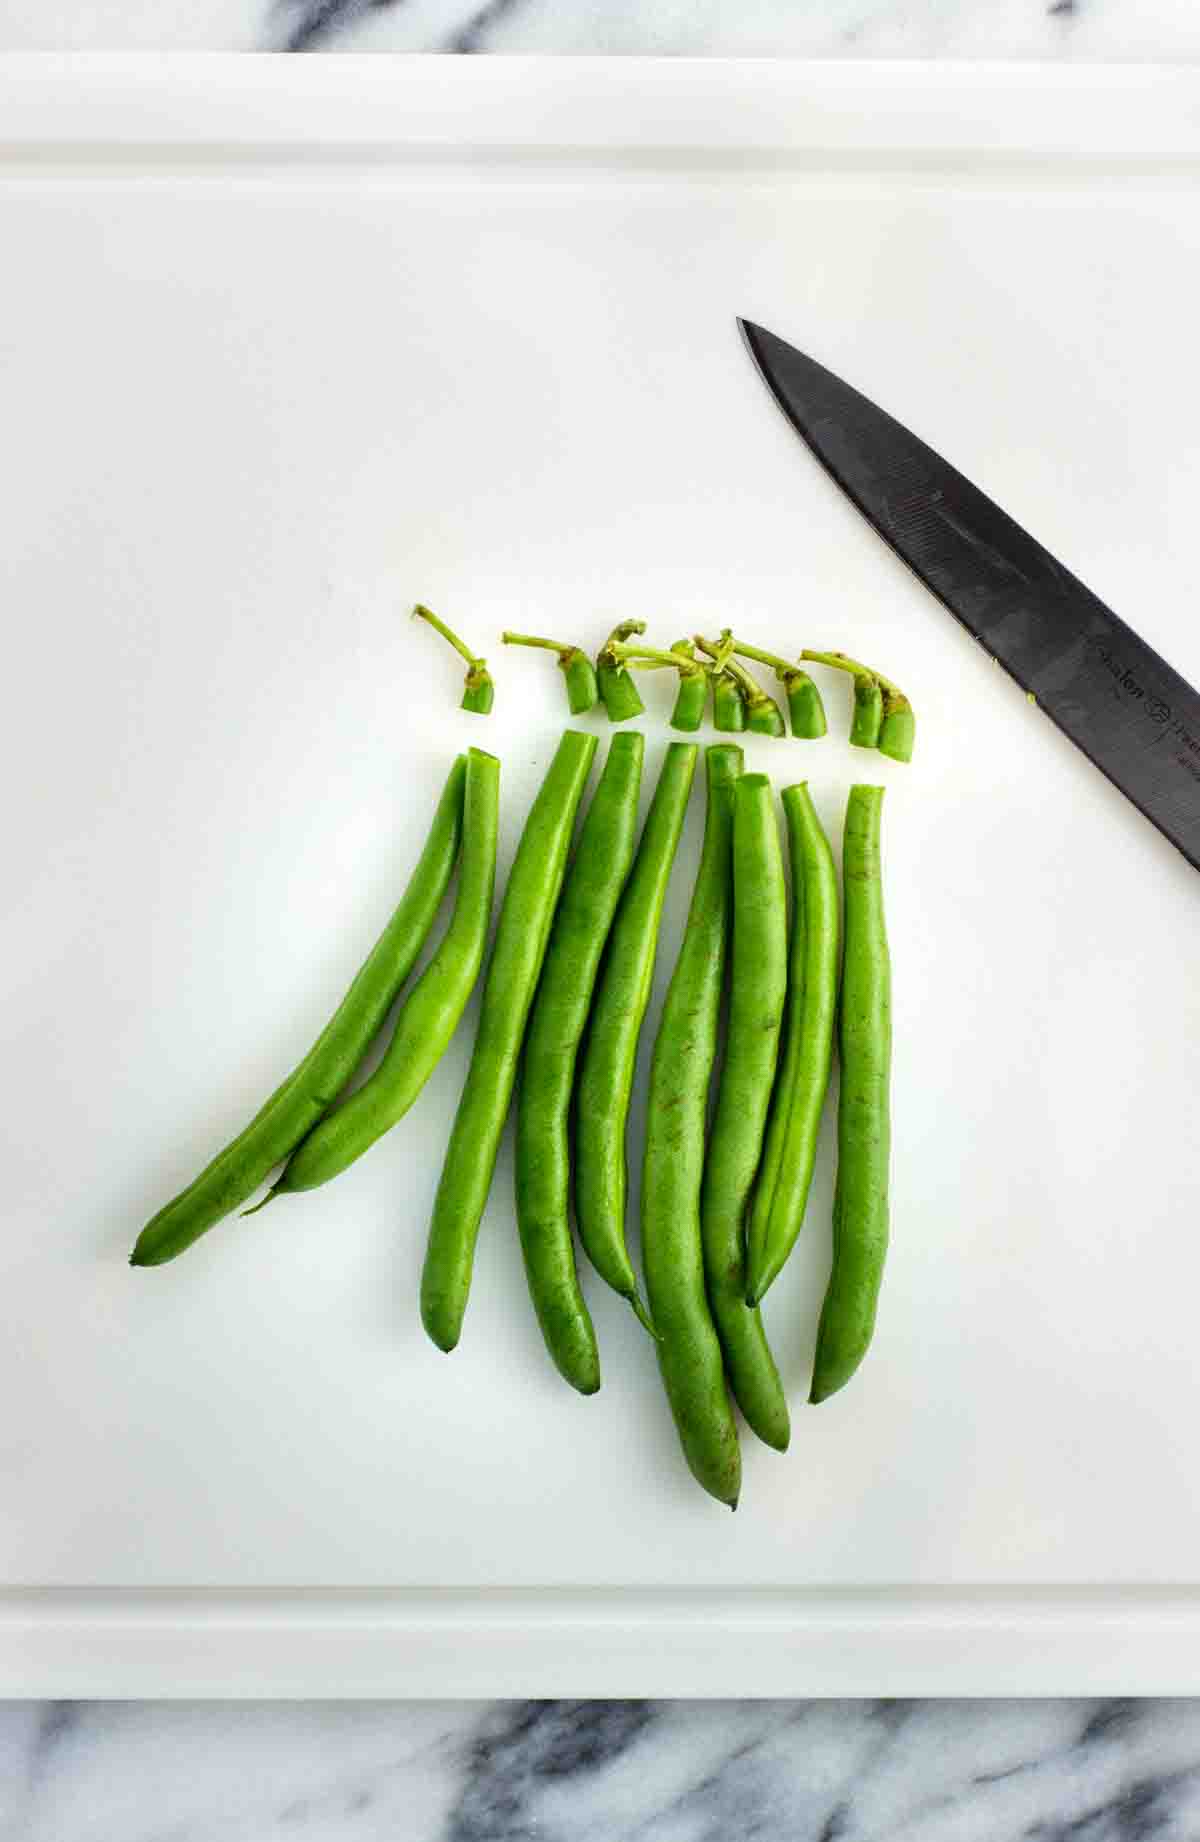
x=751 y=334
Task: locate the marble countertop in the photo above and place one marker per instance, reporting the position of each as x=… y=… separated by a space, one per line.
x=894 y=1771
x=571 y=1771
x=1094 y=30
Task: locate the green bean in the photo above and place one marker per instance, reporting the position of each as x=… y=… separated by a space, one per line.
x=296 y=1105
x=618 y=693
x=758 y=987
x=522 y=931
x=860 y=1204
x=576 y=668
x=785 y=1174
x=610 y=1052
x=556 y=1024
x=689 y=1351
x=431 y=1011
x=478 y=689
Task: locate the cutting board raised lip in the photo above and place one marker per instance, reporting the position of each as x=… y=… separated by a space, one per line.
x=221 y=115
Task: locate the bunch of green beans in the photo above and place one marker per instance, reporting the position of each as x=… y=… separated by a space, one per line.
x=564 y=999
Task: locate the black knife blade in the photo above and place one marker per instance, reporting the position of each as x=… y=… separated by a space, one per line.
x=1105 y=688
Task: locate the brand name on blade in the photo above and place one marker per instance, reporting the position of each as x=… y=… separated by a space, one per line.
x=1121 y=673
x=1157 y=708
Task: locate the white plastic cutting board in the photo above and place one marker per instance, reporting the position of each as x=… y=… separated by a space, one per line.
x=285 y=345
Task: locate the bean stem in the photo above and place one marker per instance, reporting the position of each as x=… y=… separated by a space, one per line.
x=561 y=647
x=842 y=662
x=780 y=666
x=648 y=657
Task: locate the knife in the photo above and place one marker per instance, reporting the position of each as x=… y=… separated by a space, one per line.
x=1133 y=716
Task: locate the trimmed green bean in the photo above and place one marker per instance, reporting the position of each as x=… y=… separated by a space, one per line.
x=729 y=706
x=805 y=708
x=556 y=1024
x=577 y=669
x=522 y=931
x=618 y=693
x=296 y=1105
x=899 y=728
x=758 y=988
x=691 y=699
x=478 y=689
x=610 y=1052
x=583 y=693
x=689 y=1350
x=430 y=1013
x=867 y=721
x=763 y=715
x=860 y=1204
x=789 y=1153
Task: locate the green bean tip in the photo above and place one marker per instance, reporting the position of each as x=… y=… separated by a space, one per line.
x=642 y=1314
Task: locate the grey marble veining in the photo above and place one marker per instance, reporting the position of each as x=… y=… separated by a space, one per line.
x=1090 y=30
x=606 y=1771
